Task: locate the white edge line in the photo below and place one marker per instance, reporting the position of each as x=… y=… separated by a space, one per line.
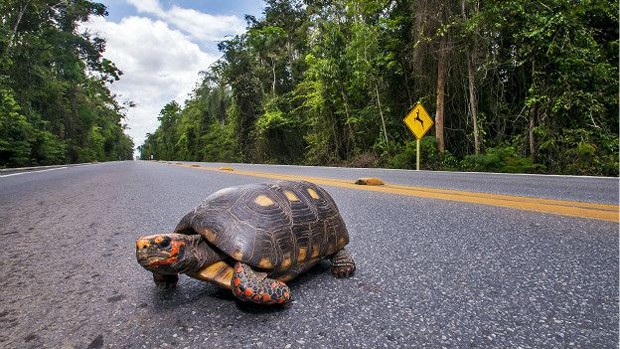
x=21 y=173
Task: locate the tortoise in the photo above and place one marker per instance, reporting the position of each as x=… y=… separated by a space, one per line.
x=252 y=239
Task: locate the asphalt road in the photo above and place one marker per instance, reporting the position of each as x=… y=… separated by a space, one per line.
x=431 y=273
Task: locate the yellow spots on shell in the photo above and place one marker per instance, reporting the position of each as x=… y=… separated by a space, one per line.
x=263 y=200
x=291 y=196
x=265 y=263
x=301 y=254
x=313 y=193
x=285 y=277
x=238 y=255
x=315 y=251
x=210 y=235
x=286 y=261
x=312 y=261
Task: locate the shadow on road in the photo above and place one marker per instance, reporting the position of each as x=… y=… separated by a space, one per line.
x=164 y=300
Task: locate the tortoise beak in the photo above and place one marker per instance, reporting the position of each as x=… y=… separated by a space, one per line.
x=147 y=252
x=159 y=252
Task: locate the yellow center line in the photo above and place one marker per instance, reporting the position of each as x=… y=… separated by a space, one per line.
x=559 y=207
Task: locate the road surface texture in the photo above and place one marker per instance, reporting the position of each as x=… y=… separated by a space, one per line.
x=431 y=273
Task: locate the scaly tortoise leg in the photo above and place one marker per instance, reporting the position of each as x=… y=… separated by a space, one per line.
x=250 y=286
x=165 y=281
x=343 y=265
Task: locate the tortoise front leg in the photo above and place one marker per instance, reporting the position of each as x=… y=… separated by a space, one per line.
x=165 y=281
x=249 y=286
x=343 y=264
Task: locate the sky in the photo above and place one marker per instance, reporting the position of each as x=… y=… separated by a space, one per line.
x=161 y=46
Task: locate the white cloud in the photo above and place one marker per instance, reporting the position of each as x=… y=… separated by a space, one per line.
x=148 y=6
x=159 y=64
x=203 y=26
x=160 y=56
x=199 y=25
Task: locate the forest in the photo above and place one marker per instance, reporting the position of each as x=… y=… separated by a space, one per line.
x=55 y=105
x=512 y=85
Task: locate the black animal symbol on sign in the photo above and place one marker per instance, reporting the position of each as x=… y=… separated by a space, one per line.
x=417 y=117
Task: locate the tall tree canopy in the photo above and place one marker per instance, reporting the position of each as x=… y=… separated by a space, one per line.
x=55 y=106
x=515 y=85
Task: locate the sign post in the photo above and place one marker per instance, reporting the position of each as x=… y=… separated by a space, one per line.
x=417 y=154
x=419 y=122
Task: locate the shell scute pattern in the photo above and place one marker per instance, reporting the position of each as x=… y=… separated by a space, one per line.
x=274 y=236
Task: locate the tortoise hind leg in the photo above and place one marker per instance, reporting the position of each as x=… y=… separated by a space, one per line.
x=343 y=264
x=165 y=281
x=249 y=286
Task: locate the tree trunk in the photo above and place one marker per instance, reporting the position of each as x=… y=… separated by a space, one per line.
x=20 y=14
x=473 y=103
x=351 y=136
x=532 y=120
x=532 y=124
x=381 y=113
x=273 y=70
x=441 y=88
x=407 y=87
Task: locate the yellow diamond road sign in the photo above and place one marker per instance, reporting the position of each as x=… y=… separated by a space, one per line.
x=418 y=121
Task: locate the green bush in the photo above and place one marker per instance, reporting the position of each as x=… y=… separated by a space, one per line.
x=16 y=132
x=48 y=149
x=279 y=138
x=500 y=159
x=579 y=152
x=220 y=144
x=364 y=160
x=430 y=158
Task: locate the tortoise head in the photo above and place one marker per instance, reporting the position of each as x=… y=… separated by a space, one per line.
x=168 y=253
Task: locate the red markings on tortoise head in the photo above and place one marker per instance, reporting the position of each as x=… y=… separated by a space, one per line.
x=176 y=247
x=164 y=262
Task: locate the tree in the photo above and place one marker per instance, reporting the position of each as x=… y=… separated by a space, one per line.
x=54 y=80
x=517 y=86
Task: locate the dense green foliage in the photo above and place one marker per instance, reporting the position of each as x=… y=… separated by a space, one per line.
x=524 y=86
x=54 y=103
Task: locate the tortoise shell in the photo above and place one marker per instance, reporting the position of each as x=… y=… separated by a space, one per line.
x=282 y=228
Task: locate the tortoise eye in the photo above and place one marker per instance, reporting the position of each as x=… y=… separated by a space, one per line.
x=165 y=243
